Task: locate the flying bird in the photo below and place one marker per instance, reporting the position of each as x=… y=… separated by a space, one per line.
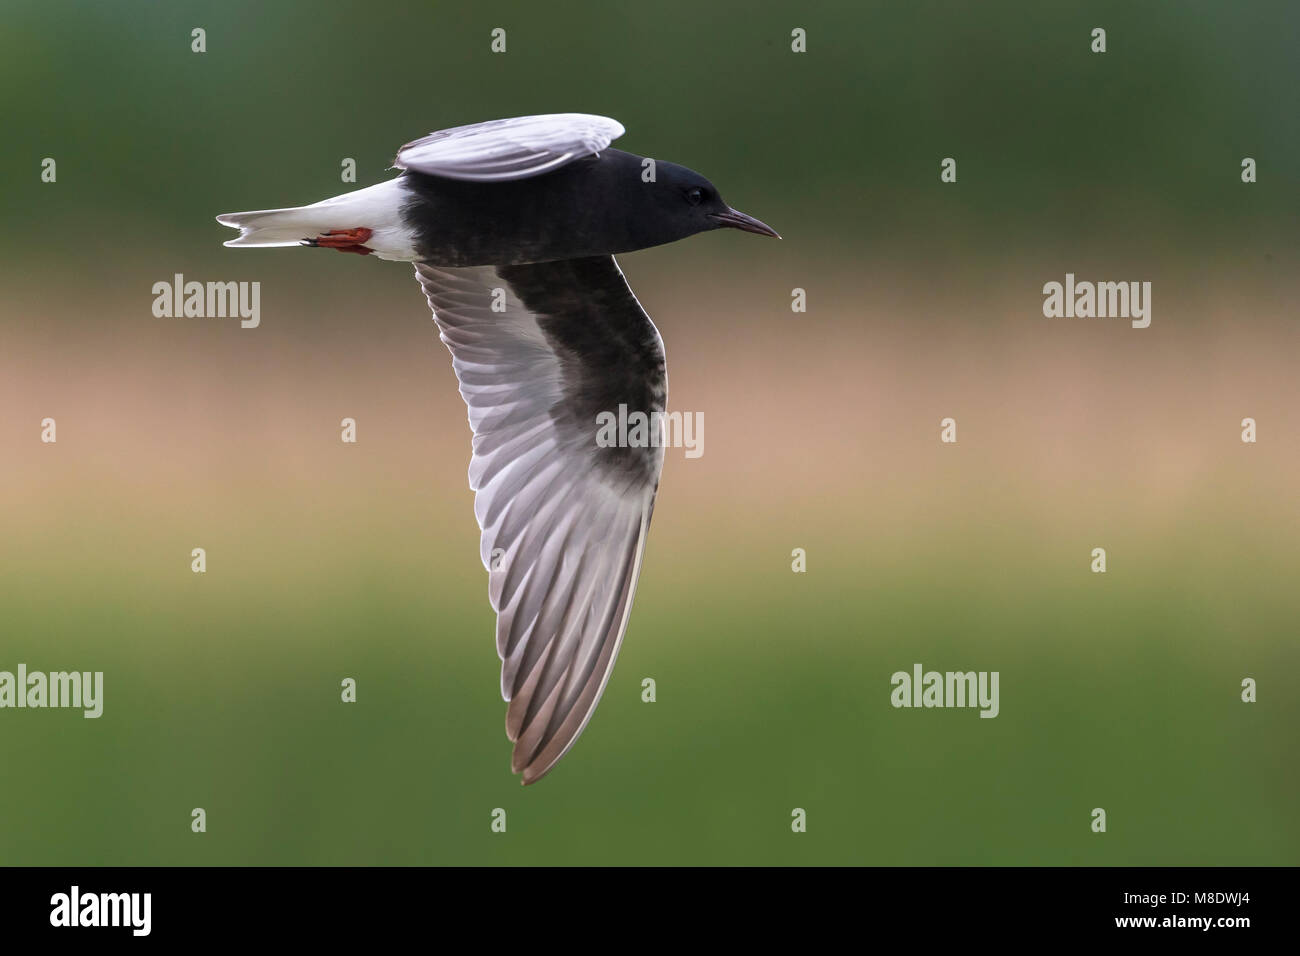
x=513 y=225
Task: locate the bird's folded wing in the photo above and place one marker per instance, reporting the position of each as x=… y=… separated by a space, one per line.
x=509 y=148
x=544 y=353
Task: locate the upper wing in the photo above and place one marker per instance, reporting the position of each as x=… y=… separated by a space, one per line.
x=509 y=148
x=563 y=519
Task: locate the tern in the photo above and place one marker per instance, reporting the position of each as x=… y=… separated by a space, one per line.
x=513 y=225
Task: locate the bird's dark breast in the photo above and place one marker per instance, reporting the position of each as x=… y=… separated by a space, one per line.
x=610 y=354
x=540 y=219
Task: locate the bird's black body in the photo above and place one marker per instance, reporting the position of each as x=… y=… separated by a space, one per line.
x=597 y=205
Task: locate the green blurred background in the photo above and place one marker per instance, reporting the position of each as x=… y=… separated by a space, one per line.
x=328 y=560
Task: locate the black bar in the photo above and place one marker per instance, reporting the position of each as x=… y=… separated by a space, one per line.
x=243 y=904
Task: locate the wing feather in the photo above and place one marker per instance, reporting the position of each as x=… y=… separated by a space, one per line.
x=563 y=520
x=504 y=149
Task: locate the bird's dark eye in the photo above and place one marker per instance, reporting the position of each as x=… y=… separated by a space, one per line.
x=695 y=195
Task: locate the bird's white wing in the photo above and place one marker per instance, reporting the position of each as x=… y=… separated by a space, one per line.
x=509 y=148
x=541 y=351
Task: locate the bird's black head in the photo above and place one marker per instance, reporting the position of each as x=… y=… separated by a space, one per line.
x=667 y=202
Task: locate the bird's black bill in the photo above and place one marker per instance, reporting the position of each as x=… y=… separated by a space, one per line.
x=738 y=220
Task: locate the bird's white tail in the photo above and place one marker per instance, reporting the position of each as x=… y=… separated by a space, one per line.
x=375 y=208
x=277 y=227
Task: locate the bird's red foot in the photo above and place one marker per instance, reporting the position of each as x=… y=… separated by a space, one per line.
x=344 y=240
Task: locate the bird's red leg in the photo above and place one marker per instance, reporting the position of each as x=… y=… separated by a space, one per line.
x=344 y=240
